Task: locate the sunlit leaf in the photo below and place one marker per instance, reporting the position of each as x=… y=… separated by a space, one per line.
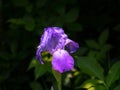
x=98 y=87
x=89 y=83
x=93 y=84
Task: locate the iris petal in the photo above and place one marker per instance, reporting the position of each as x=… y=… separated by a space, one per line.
x=62 y=61
x=53 y=41
x=38 y=55
x=71 y=45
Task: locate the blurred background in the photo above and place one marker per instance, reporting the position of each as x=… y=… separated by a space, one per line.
x=95 y=25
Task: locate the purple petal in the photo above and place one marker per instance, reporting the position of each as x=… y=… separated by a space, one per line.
x=51 y=41
x=43 y=45
x=62 y=61
x=71 y=45
x=60 y=37
x=38 y=55
x=53 y=38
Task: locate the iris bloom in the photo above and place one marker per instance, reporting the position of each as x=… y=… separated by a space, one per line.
x=54 y=41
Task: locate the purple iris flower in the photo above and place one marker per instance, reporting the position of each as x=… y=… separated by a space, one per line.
x=54 y=41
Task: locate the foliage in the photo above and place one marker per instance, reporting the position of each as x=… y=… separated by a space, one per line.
x=94 y=24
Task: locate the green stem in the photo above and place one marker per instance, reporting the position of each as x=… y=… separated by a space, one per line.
x=59 y=85
x=58 y=77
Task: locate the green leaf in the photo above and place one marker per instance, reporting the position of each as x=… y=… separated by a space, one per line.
x=60 y=9
x=17 y=21
x=40 y=3
x=39 y=69
x=72 y=15
x=20 y=3
x=58 y=77
x=89 y=83
x=113 y=74
x=117 y=87
x=29 y=8
x=92 y=44
x=90 y=66
x=74 y=27
x=92 y=53
x=36 y=86
x=81 y=51
x=103 y=37
x=100 y=87
x=93 y=84
x=29 y=23
x=32 y=64
x=106 y=48
x=5 y=55
x=117 y=27
x=103 y=52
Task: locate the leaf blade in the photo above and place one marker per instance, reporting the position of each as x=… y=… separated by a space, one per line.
x=113 y=74
x=103 y=37
x=90 y=66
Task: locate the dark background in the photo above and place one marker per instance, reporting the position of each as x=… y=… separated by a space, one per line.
x=84 y=21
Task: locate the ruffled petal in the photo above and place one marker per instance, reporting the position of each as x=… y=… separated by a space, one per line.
x=52 y=39
x=44 y=41
x=62 y=61
x=55 y=39
x=71 y=45
x=38 y=55
x=59 y=36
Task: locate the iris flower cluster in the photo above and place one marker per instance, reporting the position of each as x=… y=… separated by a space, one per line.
x=54 y=41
